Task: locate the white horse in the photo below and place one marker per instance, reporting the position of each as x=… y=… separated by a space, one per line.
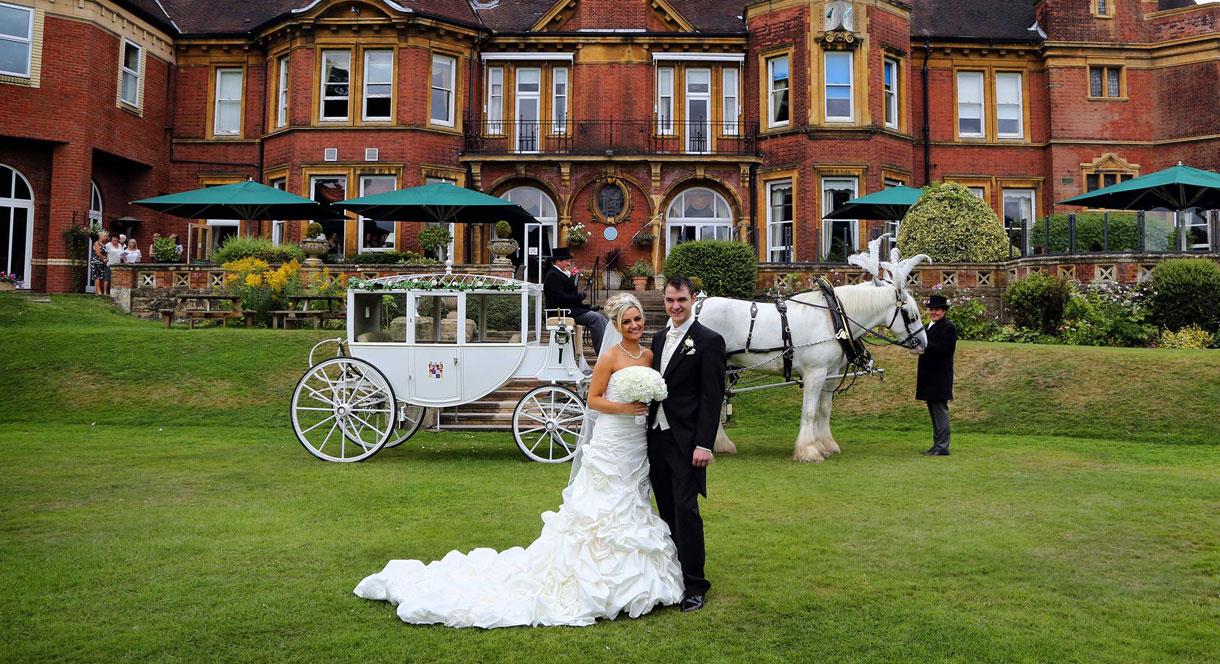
x=817 y=353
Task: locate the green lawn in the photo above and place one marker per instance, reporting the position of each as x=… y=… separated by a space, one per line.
x=156 y=506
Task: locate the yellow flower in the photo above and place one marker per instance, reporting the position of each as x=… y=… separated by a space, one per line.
x=254 y=280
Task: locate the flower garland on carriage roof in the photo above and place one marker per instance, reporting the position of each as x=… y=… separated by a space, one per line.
x=432 y=284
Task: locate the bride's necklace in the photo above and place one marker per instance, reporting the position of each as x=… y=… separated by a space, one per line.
x=634 y=357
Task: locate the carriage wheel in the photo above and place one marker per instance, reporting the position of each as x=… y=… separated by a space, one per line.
x=410 y=418
x=546 y=423
x=343 y=410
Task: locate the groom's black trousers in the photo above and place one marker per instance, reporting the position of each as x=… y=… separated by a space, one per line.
x=677 y=494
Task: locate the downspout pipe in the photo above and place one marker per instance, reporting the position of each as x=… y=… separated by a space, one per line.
x=927 y=133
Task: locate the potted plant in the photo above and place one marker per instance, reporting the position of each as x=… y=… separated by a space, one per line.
x=435 y=239
x=577 y=235
x=314 y=245
x=502 y=245
x=9 y=281
x=641 y=273
x=643 y=238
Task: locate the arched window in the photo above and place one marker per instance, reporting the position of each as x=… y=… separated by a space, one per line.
x=16 y=224
x=697 y=214
x=539 y=236
x=95 y=204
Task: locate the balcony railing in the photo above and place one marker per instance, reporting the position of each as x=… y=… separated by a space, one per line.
x=609 y=137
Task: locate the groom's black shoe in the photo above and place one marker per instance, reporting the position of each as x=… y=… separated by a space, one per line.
x=692 y=603
x=937 y=452
x=929 y=452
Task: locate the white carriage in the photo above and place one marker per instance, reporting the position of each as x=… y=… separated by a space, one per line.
x=416 y=342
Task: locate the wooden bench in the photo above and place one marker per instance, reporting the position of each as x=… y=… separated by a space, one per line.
x=312 y=308
x=206 y=307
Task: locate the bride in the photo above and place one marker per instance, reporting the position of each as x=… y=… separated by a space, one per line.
x=603 y=553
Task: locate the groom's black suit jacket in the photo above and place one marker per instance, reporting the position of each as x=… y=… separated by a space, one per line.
x=695 y=381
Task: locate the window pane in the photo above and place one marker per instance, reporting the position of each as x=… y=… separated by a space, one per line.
x=230 y=84
x=129 y=88
x=378 y=66
x=15 y=22
x=228 y=117
x=891 y=93
x=970 y=103
x=440 y=105
x=131 y=57
x=1008 y=104
x=442 y=89
x=1112 y=80
x=15 y=57
x=838 y=68
x=527 y=80
x=1090 y=181
x=377 y=107
x=698 y=81
x=779 y=90
x=1094 y=81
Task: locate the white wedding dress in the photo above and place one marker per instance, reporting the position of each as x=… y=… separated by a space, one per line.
x=604 y=552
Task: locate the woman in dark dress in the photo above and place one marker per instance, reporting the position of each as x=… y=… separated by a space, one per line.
x=97 y=263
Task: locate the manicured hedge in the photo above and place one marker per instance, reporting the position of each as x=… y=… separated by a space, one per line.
x=238 y=247
x=952 y=225
x=1185 y=292
x=728 y=269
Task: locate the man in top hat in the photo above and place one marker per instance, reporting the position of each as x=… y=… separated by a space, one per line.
x=934 y=383
x=560 y=292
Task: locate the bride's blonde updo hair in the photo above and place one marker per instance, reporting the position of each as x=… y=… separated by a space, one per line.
x=617 y=306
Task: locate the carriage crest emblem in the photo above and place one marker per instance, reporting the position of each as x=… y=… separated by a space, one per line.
x=436 y=370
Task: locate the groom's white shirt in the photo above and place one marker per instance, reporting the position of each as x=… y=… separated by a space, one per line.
x=672 y=337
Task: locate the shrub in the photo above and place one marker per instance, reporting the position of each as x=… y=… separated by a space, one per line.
x=504 y=229
x=1186 y=291
x=262 y=289
x=1189 y=337
x=1105 y=315
x=238 y=247
x=390 y=258
x=950 y=224
x=314 y=230
x=1091 y=234
x=728 y=269
x=1037 y=302
x=970 y=318
x=165 y=250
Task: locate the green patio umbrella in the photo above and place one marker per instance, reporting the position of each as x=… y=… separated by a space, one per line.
x=890 y=204
x=1175 y=188
x=440 y=202
x=248 y=200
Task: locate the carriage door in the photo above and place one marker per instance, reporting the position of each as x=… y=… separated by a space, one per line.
x=435 y=376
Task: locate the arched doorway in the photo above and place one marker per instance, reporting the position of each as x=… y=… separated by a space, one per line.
x=698 y=213
x=540 y=235
x=16 y=224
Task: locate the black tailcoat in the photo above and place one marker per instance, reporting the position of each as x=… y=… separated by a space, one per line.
x=695 y=381
x=559 y=291
x=935 y=379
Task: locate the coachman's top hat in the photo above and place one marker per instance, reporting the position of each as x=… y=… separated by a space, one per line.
x=936 y=302
x=560 y=254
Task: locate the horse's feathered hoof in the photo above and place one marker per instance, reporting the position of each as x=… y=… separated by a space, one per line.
x=808 y=457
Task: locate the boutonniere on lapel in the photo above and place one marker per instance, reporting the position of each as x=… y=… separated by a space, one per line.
x=689 y=346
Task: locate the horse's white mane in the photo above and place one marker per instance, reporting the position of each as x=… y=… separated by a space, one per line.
x=856 y=297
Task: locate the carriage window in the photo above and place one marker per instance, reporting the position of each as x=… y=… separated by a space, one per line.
x=436 y=319
x=494 y=319
x=380 y=318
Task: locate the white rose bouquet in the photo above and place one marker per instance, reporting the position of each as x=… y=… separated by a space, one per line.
x=642 y=384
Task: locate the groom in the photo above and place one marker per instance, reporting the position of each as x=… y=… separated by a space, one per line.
x=682 y=429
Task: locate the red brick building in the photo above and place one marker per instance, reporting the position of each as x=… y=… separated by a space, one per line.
x=638 y=119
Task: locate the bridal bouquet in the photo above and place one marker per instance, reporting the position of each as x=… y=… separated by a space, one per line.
x=642 y=384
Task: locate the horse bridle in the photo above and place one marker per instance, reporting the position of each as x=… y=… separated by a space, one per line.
x=911 y=341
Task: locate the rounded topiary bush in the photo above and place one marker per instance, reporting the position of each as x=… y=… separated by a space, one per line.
x=1037 y=302
x=1186 y=291
x=727 y=269
x=952 y=225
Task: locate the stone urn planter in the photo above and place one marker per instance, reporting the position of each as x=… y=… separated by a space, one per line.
x=641 y=283
x=315 y=248
x=502 y=248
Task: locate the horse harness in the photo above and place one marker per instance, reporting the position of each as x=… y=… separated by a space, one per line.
x=857 y=355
